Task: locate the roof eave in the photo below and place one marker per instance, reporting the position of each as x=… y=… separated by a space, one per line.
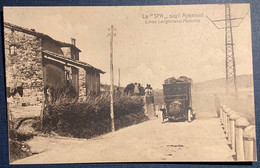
x=80 y=64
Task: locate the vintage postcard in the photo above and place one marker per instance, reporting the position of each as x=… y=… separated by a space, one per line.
x=129 y=84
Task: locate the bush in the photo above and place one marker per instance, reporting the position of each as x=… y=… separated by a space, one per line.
x=61 y=93
x=92 y=117
x=18 y=148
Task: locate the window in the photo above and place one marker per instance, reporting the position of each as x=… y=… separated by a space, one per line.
x=12 y=49
x=73 y=56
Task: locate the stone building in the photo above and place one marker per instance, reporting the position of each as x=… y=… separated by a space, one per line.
x=35 y=61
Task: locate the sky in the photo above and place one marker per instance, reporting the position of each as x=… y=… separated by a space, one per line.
x=145 y=51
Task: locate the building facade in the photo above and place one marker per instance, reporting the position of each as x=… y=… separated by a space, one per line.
x=35 y=61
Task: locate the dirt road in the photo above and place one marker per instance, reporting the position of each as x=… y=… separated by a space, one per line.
x=200 y=140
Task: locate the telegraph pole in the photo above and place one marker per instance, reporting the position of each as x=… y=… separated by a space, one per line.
x=112 y=79
x=230 y=64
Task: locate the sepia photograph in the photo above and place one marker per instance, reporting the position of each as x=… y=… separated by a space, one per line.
x=117 y=84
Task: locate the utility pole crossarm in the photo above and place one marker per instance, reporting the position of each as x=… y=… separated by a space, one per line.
x=223 y=20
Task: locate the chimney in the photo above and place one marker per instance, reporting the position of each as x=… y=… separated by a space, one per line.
x=73 y=41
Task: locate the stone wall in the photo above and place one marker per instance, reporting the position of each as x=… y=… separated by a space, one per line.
x=24 y=67
x=82 y=84
x=66 y=51
x=70 y=53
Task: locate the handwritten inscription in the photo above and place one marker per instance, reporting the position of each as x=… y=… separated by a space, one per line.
x=160 y=18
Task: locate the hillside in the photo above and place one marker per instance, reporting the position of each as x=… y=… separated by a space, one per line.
x=243 y=82
x=106 y=88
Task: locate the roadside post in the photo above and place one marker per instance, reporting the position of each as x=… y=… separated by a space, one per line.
x=232 y=119
x=221 y=114
x=241 y=124
x=249 y=143
x=225 y=120
x=229 y=112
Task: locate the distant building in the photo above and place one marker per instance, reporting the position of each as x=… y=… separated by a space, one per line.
x=35 y=61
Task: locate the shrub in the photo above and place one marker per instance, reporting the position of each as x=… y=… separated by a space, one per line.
x=18 y=148
x=61 y=93
x=92 y=117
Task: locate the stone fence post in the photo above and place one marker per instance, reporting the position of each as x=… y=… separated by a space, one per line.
x=157 y=110
x=161 y=113
x=232 y=119
x=229 y=113
x=217 y=105
x=240 y=135
x=223 y=107
x=250 y=143
x=225 y=119
x=221 y=114
x=240 y=123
